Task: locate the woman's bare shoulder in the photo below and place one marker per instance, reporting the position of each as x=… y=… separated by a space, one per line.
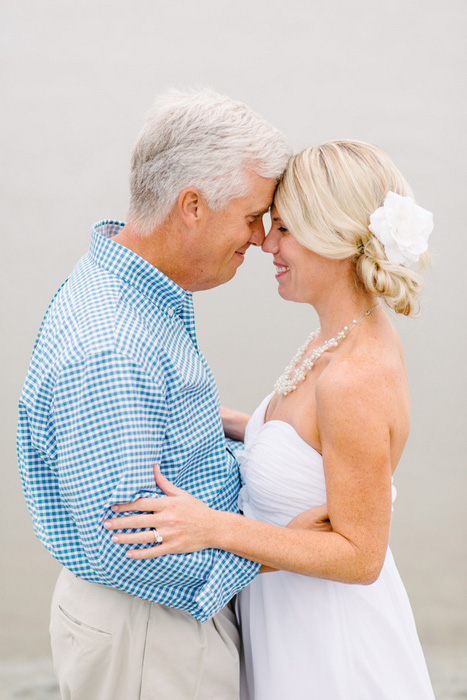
x=362 y=399
x=374 y=372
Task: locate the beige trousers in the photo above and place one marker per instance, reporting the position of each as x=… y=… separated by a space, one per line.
x=108 y=645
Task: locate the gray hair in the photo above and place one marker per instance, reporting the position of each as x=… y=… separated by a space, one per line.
x=199 y=139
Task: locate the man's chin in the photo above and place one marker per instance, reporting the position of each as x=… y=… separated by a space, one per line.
x=211 y=284
x=228 y=275
x=224 y=275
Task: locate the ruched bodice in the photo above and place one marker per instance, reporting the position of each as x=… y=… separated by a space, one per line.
x=271 y=493
x=311 y=639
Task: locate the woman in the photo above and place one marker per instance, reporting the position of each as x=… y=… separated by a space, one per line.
x=344 y=233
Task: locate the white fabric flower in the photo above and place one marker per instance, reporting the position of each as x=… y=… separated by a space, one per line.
x=403 y=228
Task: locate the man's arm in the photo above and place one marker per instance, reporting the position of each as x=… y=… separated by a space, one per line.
x=234 y=423
x=110 y=420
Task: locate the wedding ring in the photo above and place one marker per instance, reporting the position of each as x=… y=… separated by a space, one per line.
x=157 y=537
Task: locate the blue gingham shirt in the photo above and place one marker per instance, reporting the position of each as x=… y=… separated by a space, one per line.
x=117 y=383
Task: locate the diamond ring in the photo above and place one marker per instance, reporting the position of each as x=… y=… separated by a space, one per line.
x=157 y=537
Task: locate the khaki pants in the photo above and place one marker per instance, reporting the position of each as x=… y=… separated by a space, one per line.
x=108 y=645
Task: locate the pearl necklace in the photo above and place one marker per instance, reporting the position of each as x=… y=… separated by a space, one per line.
x=288 y=382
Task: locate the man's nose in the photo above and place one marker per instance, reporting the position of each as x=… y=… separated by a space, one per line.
x=257 y=234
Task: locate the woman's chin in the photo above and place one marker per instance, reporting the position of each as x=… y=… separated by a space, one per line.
x=288 y=295
x=284 y=293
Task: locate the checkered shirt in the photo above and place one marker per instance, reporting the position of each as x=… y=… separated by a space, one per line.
x=117 y=383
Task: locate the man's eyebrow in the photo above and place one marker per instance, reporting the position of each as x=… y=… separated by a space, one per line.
x=260 y=212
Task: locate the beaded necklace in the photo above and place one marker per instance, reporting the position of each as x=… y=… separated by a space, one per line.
x=290 y=379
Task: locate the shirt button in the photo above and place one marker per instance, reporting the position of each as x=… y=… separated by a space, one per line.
x=170 y=312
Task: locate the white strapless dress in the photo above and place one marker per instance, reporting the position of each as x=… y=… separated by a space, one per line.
x=306 y=638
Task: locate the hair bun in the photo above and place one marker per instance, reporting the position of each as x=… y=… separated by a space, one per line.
x=397 y=285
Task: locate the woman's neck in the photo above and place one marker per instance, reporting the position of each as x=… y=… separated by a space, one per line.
x=339 y=310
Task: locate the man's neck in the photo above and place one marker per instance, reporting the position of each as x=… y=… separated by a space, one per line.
x=159 y=248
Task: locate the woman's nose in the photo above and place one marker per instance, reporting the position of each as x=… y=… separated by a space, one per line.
x=271 y=242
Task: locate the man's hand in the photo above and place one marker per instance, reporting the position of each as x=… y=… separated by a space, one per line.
x=312 y=519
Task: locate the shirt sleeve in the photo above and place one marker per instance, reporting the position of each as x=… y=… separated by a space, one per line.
x=234 y=446
x=110 y=419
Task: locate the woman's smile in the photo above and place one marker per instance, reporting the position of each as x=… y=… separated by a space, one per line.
x=281 y=269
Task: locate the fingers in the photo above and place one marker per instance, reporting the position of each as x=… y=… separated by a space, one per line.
x=164 y=484
x=145 y=537
x=130 y=521
x=154 y=505
x=151 y=504
x=147 y=511
x=148 y=552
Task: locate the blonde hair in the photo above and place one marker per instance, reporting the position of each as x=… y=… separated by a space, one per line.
x=326 y=197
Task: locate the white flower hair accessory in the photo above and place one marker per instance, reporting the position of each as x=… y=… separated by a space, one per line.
x=403 y=228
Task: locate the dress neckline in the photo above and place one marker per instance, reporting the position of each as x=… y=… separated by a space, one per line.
x=284 y=422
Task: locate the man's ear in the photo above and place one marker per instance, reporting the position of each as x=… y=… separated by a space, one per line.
x=191 y=206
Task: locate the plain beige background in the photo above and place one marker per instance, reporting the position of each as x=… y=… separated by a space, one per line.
x=77 y=78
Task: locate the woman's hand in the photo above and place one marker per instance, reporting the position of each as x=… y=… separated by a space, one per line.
x=313 y=519
x=234 y=423
x=183 y=521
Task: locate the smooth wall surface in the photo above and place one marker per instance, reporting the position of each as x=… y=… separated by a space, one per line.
x=77 y=78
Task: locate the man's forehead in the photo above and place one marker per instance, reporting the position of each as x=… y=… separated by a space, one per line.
x=261 y=193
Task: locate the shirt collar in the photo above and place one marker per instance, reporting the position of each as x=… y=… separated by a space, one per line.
x=133 y=269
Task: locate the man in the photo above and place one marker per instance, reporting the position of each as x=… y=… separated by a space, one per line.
x=117 y=383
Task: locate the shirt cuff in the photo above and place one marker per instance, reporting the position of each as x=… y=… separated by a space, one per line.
x=222 y=585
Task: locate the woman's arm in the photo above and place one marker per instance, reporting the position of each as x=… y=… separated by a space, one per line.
x=234 y=423
x=355 y=437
